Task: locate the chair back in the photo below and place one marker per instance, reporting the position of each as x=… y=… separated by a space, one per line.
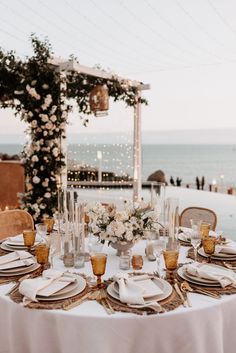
x=13 y=222
x=197 y=213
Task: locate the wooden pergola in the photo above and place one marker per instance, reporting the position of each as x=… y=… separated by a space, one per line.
x=66 y=66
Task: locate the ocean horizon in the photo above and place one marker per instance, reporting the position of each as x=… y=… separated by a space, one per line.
x=217 y=163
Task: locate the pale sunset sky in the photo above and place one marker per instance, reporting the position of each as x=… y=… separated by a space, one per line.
x=185 y=49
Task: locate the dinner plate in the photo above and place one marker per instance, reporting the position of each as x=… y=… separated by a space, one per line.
x=17 y=269
x=23 y=271
x=6 y=247
x=196 y=280
x=218 y=256
x=183 y=238
x=161 y=283
x=81 y=284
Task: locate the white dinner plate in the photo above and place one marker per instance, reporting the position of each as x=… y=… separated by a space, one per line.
x=23 y=271
x=219 y=256
x=183 y=238
x=196 y=280
x=6 y=247
x=17 y=269
x=80 y=286
x=161 y=283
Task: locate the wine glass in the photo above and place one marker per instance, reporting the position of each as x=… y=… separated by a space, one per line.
x=54 y=244
x=41 y=229
x=98 y=262
x=171 y=255
x=50 y=223
x=158 y=247
x=195 y=236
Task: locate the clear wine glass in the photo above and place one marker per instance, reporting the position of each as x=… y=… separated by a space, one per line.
x=195 y=236
x=158 y=247
x=54 y=247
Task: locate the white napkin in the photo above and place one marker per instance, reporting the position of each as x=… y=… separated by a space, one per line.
x=31 y=287
x=15 y=255
x=20 y=240
x=206 y=271
x=17 y=263
x=229 y=248
x=132 y=289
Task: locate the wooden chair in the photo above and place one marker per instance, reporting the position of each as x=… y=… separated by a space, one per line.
x=13 y=222
x=197 y=213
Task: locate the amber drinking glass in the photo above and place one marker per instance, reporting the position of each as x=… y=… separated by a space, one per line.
x=29 y=238
x=171 y=261
x=209 y=244
x=137 y=262
x=42 y=254
x=205 y=229
x=50 y=223
x=98 y=262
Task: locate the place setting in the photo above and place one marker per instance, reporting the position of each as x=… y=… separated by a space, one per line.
x=25 y=241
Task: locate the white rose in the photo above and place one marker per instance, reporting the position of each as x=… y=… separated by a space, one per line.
x=55 y=151
x=53 y=118
x=44 y=117
x=36 y=180
x=30 y=114
x=45 y=183
x=34 y=158
x=47 y=195
x=34 y=123
x=45 y=133
x=49 y=125
x=45 y=86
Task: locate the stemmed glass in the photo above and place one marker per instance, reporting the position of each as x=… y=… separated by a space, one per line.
x=98 y=262
x=158 y=247
x=54 y=244
x=195 y=236
x=209 y=246
x=29 y=238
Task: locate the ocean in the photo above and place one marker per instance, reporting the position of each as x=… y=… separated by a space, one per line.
x=214 y=162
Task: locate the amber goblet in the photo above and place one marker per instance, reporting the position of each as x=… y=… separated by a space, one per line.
x=29 y=238
x=205 y=229
x=50 y=223
x=171 y=256
x=209 y=244
x=98 y=262
x=42 y=254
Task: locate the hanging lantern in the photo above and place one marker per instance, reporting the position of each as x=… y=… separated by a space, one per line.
x=99 y=100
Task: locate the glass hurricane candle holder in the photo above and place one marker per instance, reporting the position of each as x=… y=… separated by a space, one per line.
x=98 y=262
x=29 y=238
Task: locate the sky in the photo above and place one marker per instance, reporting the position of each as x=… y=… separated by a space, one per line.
x=185 y=49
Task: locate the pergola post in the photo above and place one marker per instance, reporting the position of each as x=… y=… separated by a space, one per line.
x=137 y=155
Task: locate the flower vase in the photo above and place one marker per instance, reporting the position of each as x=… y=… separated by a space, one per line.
x=120 y=247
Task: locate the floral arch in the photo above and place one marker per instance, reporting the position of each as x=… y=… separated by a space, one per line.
x=39 y=94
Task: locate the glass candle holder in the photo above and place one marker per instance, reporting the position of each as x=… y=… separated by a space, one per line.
x=42 y=254
x=29 y=238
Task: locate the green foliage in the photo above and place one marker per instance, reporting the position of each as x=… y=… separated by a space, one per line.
x=36 y=91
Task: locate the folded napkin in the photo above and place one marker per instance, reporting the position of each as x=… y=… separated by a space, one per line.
x=17 y=263
x=206 y=271
x=20 y=240
x=229 y=248
x=30 y=288
x=15 y=255
x=133 y=289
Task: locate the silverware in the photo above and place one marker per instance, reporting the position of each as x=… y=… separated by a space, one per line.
x=77 y=302
x=185 y=291
x=178 y=291
x=17 y=285
x=188 y=288
x=229 y=266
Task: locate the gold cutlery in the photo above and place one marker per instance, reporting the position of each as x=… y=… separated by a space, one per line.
x=188 y=288
x=229 y=266
x=78 y=302
x=178 y=291
x=184 y=290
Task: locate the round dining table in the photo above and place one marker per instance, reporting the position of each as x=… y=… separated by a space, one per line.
x=208 y=326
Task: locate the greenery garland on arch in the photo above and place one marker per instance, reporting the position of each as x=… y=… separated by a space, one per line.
x=39 y=95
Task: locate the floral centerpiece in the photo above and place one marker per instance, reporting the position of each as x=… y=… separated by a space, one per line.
x=123 y=227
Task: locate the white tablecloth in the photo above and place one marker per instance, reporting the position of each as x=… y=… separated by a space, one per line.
x=209 y=326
